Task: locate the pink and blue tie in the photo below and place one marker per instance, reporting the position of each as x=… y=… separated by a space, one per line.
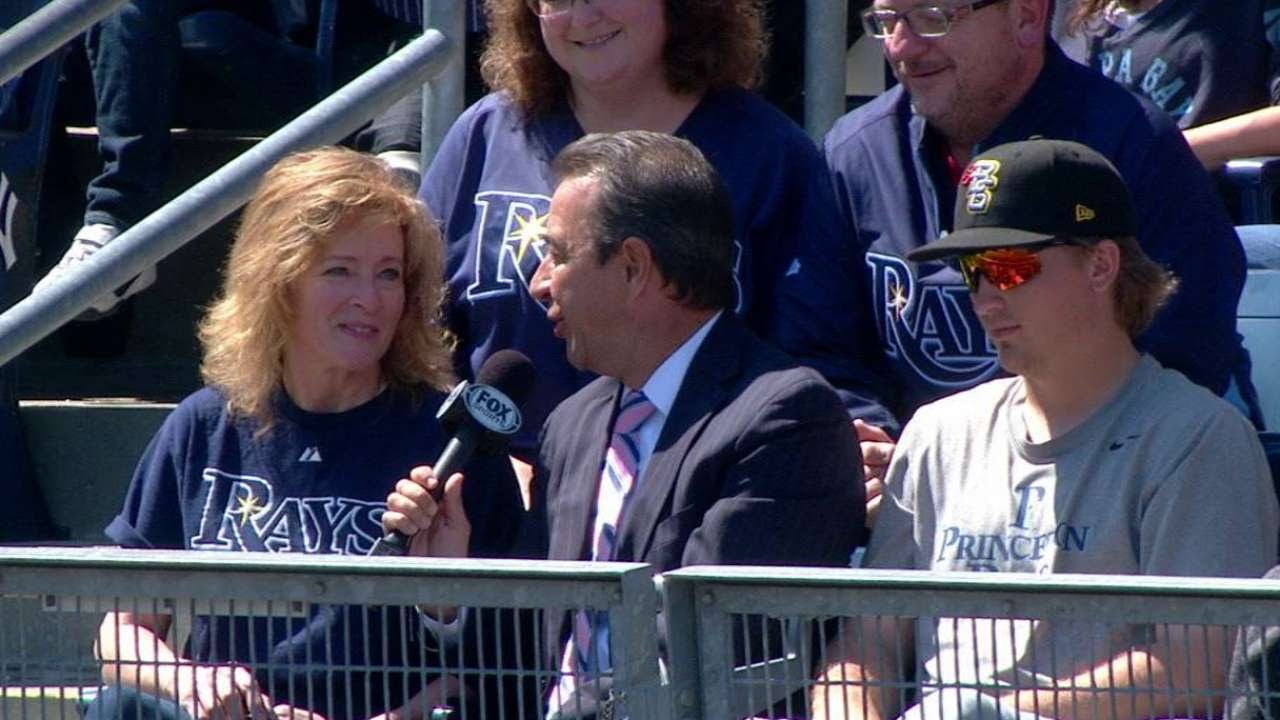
x=588 y=650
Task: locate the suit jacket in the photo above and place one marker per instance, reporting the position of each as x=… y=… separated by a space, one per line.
x=757 y=464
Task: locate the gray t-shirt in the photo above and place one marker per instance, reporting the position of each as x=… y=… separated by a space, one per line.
x=1165 y=479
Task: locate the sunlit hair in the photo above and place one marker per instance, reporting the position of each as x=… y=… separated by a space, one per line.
x=1143 y=286
x=300 y=205
x=711 y=44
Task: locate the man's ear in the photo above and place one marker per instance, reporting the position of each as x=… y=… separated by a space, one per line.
x=1030 y=22
x=1104 y=265
x=637 y=264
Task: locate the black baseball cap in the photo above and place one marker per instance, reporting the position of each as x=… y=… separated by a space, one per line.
x=1030 y=192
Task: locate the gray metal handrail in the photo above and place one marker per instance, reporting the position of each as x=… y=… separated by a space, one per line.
x=46 y=30
x=825 y=23
x=444 y=98
x=204 y=204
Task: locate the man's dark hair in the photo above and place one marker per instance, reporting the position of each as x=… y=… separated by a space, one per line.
x=661 y=189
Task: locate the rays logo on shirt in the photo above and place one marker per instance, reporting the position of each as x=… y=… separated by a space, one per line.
x=931 y=328
x=512 y=228
x=242 y=513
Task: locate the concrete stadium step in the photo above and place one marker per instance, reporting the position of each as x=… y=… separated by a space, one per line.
x=84 y=454
x=153 y=354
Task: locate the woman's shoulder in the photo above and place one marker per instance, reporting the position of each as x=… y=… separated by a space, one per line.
x=738 y=121
x=495 y=110
x=204 y=405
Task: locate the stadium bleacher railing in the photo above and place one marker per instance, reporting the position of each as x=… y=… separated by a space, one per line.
x=51 y=601
x=824 y=64
x=434 y=60
x=46 y=30
x=1099 y=616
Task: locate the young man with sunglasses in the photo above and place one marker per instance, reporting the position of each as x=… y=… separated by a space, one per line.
x=1093 y=458
x=973 y=75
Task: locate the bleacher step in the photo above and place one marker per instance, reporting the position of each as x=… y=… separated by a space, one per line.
x=84 y=454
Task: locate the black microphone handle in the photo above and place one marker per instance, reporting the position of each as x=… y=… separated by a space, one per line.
x=455 y=455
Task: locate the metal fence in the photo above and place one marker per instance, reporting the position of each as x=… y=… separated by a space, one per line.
x=338 y=634
x=736 y=642
x=972 y=645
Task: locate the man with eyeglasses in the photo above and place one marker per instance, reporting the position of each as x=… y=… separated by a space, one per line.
x=1093 y=458
x=974 y=75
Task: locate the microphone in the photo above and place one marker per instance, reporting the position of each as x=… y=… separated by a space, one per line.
x=482 y=415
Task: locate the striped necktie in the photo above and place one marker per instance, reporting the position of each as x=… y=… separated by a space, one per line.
x=587 y=653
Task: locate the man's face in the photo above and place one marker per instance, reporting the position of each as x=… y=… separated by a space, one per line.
x=1044 y=317
x=585 y=298
x=958 y=80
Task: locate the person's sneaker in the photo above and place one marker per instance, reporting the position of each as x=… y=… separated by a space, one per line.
x=88 y=241
x=406 y=165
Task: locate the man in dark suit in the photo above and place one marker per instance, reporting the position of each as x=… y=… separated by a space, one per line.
x=699 y=443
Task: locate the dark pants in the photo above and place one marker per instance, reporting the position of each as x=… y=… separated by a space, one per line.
x=120 y=703
x=134 y=57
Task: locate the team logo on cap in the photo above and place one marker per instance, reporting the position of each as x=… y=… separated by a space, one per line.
x=982 y=177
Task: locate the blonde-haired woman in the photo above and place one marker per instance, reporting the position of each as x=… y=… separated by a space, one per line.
x=325 y=362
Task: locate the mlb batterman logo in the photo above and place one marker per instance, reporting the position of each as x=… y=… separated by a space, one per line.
x=492 y=408
x=982 y=177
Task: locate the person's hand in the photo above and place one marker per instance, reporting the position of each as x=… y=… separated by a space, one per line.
x=221 y=692
x=435 y=529
x=289 y=712
x=436 y=694
x=877 y=450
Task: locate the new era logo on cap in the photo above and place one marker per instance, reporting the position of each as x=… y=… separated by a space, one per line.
x=1084 y=213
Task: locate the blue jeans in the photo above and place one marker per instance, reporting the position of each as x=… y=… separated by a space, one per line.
x=134 y=57
x=121 y=703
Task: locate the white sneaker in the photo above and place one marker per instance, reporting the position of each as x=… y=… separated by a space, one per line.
x=406 y=164
x=88 y=241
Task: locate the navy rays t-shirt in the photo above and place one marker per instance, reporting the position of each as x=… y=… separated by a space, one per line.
x=317 y=483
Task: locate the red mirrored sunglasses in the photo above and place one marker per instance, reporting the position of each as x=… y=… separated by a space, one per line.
x=1004 y=268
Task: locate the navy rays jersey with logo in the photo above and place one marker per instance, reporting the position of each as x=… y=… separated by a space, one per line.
x=318 y=483
x=895 y=189
x=490 y=185
x=1198 y=60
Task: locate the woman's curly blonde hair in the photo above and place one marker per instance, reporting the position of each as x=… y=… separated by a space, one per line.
x=303 y=202
x=711 y=44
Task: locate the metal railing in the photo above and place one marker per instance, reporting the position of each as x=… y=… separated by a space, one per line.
x=740 y=642
x=46 y=30
x=979 y=640
x=824 y=64
x=199 y=208
x=51 y=601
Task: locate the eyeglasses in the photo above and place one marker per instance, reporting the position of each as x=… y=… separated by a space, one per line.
x=927 y=21
x=1004 y=268
x=557 y=9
